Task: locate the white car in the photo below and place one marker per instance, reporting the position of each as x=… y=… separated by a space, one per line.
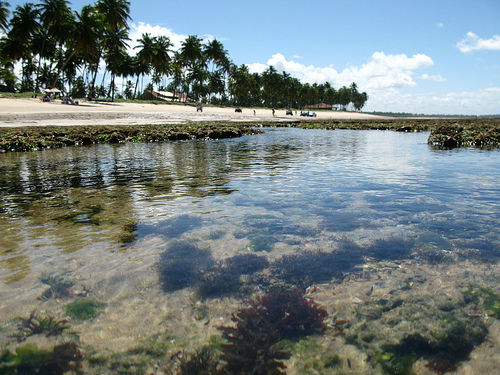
x=308 y=114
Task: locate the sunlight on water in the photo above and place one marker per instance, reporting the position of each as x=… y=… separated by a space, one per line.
x=148 y=230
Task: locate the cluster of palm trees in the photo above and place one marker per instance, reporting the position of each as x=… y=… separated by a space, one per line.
x=59 y=47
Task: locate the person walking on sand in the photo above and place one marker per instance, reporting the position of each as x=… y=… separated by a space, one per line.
x=273 y=111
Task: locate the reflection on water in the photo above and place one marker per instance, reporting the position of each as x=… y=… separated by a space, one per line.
x=225 y=218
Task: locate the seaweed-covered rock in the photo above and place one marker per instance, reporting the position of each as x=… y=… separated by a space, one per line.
x=396 y=332
x=35 y=138
x=466 y=133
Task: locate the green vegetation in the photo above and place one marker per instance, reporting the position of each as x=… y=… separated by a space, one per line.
x=486 y=297
x=40 y=325
x=484 y=132
x=35 y=138
x=84 y=309
x=58 y=47
x=471 y=132
x=396 y=332
x=28 y=359
x=310 y=357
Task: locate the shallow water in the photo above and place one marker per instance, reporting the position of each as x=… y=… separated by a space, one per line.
x=103 y=215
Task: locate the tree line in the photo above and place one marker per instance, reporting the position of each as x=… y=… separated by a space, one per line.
x=62 y=48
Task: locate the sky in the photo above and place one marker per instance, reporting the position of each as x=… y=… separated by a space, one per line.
x=426 y=56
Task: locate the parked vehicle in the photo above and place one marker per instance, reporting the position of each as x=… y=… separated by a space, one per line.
x=308 y=114
x=289 y=112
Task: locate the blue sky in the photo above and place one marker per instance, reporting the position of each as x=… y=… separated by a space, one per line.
x=426 y=56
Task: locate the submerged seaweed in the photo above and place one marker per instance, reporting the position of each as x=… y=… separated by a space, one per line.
x=225 y=276
x=28 y=359
x=440 y=332
x=179 y=266
x=394 y=248
x=201 y=362
x=308 y=267
x=486 y=297
x=84 y=308
x=217 y=281
x=36 y=325
x=279 y=314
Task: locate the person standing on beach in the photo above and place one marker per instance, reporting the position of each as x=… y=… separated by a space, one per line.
x=273 y=111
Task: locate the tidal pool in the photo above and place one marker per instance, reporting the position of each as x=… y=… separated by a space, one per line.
x=161 y=244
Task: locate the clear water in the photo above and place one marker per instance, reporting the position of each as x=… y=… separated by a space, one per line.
x=104 y=214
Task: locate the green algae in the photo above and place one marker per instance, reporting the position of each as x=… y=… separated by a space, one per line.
x=310 y=357
x=29 y=359
x=84 y=309
x=486 y=297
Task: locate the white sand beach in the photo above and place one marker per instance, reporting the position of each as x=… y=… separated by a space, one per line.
x=34 y=112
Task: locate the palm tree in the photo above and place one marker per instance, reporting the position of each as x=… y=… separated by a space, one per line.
x=24 y=27
x=83 y=37
x=191 y=54
x=4 y=13
x=359 y=100
x=140 y=70
x=146 y=52
x=216 y=83
x=55 y=16
x=161 y=60
x=214 y=51
x=115 y=14
x=344 y=95
x=116 y=47
x=88 y=30
x=272 y=82
x=145 y=56
x=176 y=72
x=331 y=96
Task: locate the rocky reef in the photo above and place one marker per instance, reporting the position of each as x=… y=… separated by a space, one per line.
x=36 y=138
x=482 y=133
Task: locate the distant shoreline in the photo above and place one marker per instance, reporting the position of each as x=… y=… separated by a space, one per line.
x=30 y=124
x=34 y=112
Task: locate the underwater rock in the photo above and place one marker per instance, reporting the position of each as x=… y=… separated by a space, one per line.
x=59 y=286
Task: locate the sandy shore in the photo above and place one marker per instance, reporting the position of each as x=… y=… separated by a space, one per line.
x=34 y=112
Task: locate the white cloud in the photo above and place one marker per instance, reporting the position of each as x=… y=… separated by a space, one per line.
x=440 y=24
x=136 y=32
x=479 y=102
x=382 y=71
x=384 y=77
x=474 y=43
x=435 y=78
